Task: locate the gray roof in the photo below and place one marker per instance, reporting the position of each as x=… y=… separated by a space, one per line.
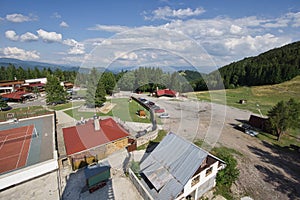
x=171 y=164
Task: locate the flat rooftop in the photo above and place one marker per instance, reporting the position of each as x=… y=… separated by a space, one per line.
x=27 y=149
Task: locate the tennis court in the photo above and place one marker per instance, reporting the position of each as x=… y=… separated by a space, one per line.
x=14 y=147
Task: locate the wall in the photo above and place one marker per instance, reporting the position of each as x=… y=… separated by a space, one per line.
x=202 y=186
x=100 y=152
x=137 y=183
x=146 y=138
x=27 y=173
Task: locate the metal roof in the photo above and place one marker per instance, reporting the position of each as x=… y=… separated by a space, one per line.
x=171 y=164
x=98 y=168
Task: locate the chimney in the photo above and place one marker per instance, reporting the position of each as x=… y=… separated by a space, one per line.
x=96 y=123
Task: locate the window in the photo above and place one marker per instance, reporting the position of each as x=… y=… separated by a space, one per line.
x=195 y=180
x=208 y=171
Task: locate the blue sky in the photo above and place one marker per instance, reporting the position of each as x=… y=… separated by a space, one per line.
x=206 y=33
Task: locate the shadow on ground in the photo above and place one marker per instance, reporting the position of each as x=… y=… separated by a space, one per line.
x=282 y=168
x=76 y=188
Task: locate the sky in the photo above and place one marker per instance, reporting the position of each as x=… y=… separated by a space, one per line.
x=207 y=34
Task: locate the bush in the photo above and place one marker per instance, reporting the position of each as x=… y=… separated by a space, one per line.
x=230 y=174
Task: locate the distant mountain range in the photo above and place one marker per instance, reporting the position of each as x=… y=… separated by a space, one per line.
x=40 y=65
x=31 y=64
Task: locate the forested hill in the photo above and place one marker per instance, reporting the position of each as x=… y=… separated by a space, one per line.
x=274 y=66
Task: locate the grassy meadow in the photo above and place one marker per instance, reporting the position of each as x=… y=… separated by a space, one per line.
x=262 y=97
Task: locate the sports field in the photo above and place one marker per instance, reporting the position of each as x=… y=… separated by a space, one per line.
x=25 y=143
x=14 y=146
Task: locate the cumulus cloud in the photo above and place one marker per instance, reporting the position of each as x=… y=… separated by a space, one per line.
x=166 y=13
x=11 y=35
x=28 y=37
x=64 y=24
x=18 y=18
x=112 y=28
x=234 y=29
x=77 y=48
x=14 y=52
x=49 y=36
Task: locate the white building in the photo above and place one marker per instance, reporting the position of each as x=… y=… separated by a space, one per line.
x=178 y=169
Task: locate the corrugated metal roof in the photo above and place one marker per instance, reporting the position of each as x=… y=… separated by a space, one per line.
x=171 y=164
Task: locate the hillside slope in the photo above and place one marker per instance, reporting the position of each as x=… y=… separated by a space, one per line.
x=274 y=66
x=258 y=97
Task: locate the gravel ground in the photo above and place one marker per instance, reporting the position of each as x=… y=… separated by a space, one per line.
x=266 y=172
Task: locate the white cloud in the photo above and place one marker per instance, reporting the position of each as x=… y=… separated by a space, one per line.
x=49 y=36
x=126 y=56
x=166 y=13
x=28 y=37
x=18 y=18
x=234 y=29
x=11 y=35
x=56 y=15
x=64 y=24
x=14 y=52
x=112 y=28
x=77 y=48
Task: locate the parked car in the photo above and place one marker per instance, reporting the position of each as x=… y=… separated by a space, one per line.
x=251 y=132
x=164 y=115
x=6 y=108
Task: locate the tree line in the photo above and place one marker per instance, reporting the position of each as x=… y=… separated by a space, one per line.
x=11 y=72
x=272 y=67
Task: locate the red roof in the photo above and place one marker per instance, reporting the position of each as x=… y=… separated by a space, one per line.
x=14 y=95
x=166 y=92
x=37 y=84
x=81 y=137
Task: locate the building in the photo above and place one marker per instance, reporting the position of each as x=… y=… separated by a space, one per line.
x=166 y=92
x=258 y=122
x=93 y=140
x=28 y=151
x=178 y=169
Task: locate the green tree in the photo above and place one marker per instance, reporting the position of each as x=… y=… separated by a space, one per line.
x=54 y=91
x=100 y=95
x=126 y=82
x=284 y=115
x=109 y=82
x=95 y=95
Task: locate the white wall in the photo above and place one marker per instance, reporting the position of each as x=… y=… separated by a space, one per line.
x=188 y=188
x=42 y=80
x=27 y=173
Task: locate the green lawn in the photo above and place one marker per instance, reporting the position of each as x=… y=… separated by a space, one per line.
x=66 y=105
x=123 y=109
x=161 y=134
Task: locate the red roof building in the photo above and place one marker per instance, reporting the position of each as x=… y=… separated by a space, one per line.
x=19 y=95
x=166 y=92
x=86 y=136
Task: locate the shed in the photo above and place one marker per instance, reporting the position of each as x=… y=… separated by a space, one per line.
x=96 y=174
x=141 y=113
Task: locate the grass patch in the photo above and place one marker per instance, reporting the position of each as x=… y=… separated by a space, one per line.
x=161 y=134
x=66 y=105
x=291 y=137
x=123 y=109
x=262 y=97
x=24 y=112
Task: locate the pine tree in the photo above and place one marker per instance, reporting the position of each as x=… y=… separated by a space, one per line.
x=55 y=92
